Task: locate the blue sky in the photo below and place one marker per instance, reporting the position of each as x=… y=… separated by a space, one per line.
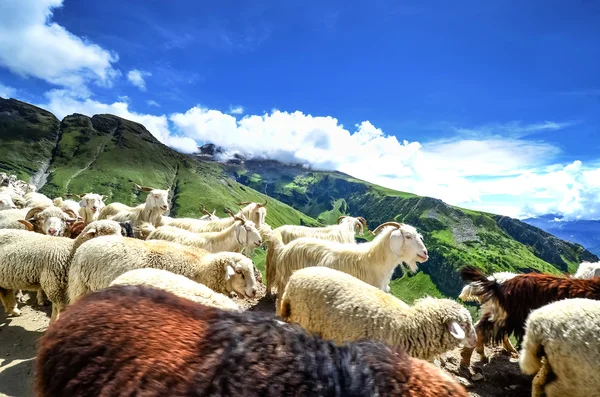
x=491 y=105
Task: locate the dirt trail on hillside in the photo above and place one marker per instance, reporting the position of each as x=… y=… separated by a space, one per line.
x=18 y=337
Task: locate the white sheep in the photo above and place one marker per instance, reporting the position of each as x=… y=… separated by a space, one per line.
x=342 y=308
x=34 y=199
x=567 y=334
x=101 y=260
x=46 y=220
x=178 y=285
x=157 y=202
x=588 y=270
x=31 y=261
x=50 y=220
x=69 y=206
x=242 y=234
x=16 y=198
x=90 y=206
x=343 y=232
x=254 y=212
x=373 y=262
x=6 y=202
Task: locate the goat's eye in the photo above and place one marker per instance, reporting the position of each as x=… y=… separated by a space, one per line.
x=408 y=237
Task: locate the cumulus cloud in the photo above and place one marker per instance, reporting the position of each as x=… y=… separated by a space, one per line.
x=63 y=103
x=136 y=77
x=7 y=92
x=461 y=171
x=236 y=110
x=31 y=45
x=151 y=102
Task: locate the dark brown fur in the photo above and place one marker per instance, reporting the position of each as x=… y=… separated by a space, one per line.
x=140 y=341
x=521 y=294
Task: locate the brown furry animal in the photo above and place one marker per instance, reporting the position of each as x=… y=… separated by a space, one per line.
x=135 y=340
x=513 y=300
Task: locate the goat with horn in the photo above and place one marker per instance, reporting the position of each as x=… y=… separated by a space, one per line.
x=373 y=262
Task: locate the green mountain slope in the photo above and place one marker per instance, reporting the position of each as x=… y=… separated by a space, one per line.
x=107 y=154
x=454 y=236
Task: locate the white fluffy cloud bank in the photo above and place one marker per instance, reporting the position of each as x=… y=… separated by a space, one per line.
x=485 y=173
x=31 y=45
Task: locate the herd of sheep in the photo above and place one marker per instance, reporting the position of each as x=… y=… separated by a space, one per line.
x=142 y=304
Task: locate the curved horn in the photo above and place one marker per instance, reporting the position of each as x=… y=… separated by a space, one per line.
x=340 y=218
x=204 y=211
x=396 y=224
x=363 y=221
x=237 y=218
x=262 y=205
x=230 y=212
x=34 y=211
x=143 y=188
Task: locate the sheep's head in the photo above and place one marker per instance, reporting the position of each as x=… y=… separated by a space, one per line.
x=454 y=319
x=157 y=198
x=49 y=220
x=406 y=243
x=6 y=202
x=239 y=274
x=256 y=212
x=99 y=228
x=92 y=202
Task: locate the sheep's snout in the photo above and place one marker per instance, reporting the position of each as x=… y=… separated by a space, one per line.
x=52 y=231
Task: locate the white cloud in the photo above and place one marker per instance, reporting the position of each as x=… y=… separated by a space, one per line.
x=463 y=171
x=7 y=92
x=136 y=77
x=31 y=45
x=236 y=110
x=63 y=103
x=151 y=102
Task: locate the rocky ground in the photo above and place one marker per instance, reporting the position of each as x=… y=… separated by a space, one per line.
x=18 y=336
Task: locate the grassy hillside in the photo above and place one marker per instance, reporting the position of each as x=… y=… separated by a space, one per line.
x=454 y=236
x=107 y=155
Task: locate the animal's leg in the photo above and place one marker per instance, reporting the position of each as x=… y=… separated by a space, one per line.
x=9 y=302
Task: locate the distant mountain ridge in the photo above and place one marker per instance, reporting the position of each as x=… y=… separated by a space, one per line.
x=584 y=232
x=107 y=154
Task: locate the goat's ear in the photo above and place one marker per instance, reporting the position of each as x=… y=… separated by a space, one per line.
x=230 y=272
x=27 y=224
x=82 y=203
x=455 y=330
